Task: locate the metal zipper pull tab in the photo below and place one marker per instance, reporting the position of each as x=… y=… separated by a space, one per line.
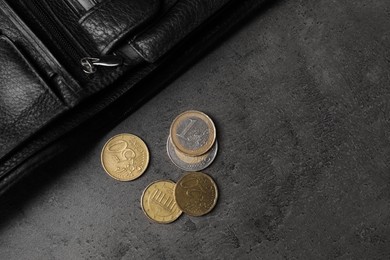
x=89 y=63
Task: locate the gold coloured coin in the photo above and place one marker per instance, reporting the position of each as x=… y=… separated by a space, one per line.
x=158 y=202
x=196 y=193
x=193 y=133
x=125 y=157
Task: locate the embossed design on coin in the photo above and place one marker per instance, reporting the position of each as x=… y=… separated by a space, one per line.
x=158 y=202
x=125 y=157
x=193 y=133
x=191 y=163
x=196 y=193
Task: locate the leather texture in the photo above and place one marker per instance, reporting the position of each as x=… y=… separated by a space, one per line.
x=26 y=102
x=112 y=20
x=177 y=23
x=105 y=101
x=87 y=4
x=60 y=65
x=50 y=68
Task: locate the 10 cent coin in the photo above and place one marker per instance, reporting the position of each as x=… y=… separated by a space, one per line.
x=158 y=202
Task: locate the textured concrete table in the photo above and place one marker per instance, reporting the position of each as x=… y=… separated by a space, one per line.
x=301 y=99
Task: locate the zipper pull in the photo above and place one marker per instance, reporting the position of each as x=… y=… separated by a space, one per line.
x=89 y=63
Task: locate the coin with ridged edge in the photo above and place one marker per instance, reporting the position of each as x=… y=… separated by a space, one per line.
x=196 y=193
x=125 y=157
x=193 y=133
x=158 y=202
x=191 y=163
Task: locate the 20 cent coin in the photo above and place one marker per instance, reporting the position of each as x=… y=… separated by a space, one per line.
x=196 y=193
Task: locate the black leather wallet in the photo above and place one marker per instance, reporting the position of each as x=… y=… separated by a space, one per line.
x=74 y=67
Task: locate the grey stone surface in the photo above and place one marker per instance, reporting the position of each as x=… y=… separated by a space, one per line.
x=300 y=97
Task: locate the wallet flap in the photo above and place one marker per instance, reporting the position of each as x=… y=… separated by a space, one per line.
x=176 y=24
x=26 y=102
x=113 y=20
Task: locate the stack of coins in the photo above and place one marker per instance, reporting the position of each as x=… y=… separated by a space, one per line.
x=192 y=144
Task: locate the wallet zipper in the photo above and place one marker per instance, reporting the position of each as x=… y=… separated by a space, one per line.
x=74 y=50
x=89 y=63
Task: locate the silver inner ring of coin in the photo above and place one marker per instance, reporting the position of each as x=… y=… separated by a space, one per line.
x=193 y=133
x=198 y=163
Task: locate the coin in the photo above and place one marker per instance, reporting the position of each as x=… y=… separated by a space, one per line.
x=191 y=163
x=193 y=133
x=125 y=157
x=196 y=193
x=158 y=202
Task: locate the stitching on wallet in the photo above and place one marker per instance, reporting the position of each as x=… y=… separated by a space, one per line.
x=94 y=10
x=28 y=66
